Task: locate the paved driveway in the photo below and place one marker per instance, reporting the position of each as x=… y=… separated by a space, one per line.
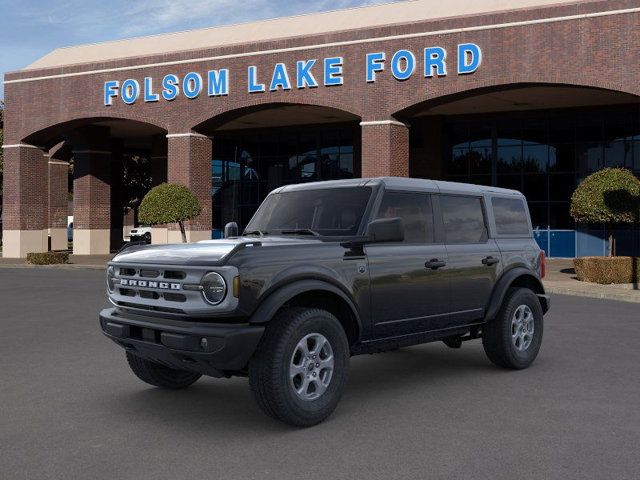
x=69 y=407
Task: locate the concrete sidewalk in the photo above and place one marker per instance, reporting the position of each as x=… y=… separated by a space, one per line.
x=561 y=279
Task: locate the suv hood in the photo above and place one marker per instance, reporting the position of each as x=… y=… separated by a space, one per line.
x=207 y=252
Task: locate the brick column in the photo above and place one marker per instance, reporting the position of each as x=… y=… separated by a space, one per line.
x=189 y=164
x=25 y=209
x=58 y=191
x=91 y=191
x=385 y=149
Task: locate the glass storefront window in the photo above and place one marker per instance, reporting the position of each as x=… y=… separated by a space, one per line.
x=248 y=165
x=544 y=154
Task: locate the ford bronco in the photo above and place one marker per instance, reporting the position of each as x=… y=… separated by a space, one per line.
x=328 y=270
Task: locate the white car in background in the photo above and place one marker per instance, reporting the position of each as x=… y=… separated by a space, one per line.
x=140 y=234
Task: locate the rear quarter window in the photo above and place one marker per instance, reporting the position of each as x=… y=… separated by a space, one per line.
x=511 y=216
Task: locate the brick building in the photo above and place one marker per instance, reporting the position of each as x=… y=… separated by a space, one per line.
x=529 y=94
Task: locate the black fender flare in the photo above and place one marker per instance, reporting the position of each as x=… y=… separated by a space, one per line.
x=281 y=295
x=503 y=284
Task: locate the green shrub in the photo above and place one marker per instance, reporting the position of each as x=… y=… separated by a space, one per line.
x=48 y=258
x=609 y=196
x=169 y=203
x=607 y=270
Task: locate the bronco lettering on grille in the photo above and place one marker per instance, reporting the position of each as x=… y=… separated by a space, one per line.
x=128 y=282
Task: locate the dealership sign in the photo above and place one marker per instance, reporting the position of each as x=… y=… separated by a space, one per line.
x=310 y=73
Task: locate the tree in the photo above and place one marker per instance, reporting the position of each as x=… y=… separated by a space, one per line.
x=169 y=203
x=609 y=196
x=136 y=182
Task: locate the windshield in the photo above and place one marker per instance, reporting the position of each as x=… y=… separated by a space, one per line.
x=326 y=212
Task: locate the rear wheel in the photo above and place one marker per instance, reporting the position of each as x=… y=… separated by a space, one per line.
x=159 y=375
x=513 y=338
x=300 y=368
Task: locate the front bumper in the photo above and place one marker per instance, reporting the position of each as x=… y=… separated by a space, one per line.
x=212 y=349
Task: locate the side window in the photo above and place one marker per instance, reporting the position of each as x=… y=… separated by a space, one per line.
x=463 y=219
x=415 y=211
x=510 y=215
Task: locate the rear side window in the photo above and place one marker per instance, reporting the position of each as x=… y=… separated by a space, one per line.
x=511 y=216
x=463 y=219
x=415 y=211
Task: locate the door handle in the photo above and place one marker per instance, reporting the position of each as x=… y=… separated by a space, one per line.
x=435 y=264
x=488 y=261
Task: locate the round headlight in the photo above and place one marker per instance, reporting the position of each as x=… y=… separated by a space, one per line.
x=111 y=273
x=214 y=288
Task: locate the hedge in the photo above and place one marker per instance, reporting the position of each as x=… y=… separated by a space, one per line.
x=607 y=270
x=48 y=258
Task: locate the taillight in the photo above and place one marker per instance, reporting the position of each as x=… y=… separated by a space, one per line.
x=543 y=264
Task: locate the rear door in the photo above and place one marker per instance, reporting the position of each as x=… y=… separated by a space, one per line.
x=408 y=295
x=474 y=259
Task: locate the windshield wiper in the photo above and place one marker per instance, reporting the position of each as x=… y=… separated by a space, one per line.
x=300 y=231
x=254 y=232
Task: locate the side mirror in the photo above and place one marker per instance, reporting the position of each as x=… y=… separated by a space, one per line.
x=231 y=230
x=385 y=230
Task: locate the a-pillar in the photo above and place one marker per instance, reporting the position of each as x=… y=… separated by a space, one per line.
x=189 y=164
x=385 y=149
x=92 y=191
x=25 y=210
x=58 y=192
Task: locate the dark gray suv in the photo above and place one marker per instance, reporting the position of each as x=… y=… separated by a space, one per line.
x=328 y=270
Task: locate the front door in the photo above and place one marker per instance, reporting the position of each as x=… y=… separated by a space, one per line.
x=409 y=283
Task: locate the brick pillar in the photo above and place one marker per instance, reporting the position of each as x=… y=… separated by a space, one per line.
x=58 y=191
x=189 y=163
x=385 y=149
x=25 y=209
x=117 y=208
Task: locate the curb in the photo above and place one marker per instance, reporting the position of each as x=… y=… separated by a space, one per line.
x=621 y=297
x=68 y=266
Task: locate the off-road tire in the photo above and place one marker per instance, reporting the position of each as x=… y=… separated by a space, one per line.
x=497 y=333
x=269 y=376
x=159 y=375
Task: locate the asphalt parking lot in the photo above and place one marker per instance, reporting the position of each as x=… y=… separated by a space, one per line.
x=70 y=408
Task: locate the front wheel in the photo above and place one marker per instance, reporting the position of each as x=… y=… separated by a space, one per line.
x=300 y=368
x=513 y=338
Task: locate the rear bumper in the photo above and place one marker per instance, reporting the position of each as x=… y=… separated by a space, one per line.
x=208 y=348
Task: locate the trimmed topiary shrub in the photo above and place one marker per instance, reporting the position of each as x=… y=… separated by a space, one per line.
x=606 y=270
x=48 y=258
x=609 y=196
x=169 y=203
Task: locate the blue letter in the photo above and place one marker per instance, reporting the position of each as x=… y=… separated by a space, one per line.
x=466 y=64
x=170 y=85
x=218 y=82
x=409 y=67
x=192 y=85
x=375 y=63
x=130 y=91
x=333 y=71
x=253 y=86
x=280 y=78
x=149 y=96
x=434 y=57
x=110 y=91
x=304 y=76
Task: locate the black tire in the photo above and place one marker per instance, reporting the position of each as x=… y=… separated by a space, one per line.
x=269 y=369
x=147 y=237
x=497 y=334
x=159 y=375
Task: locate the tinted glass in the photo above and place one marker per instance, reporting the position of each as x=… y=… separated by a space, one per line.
x=415 y=211
x=511 y=216
x=463 y=219
x=329 y=212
